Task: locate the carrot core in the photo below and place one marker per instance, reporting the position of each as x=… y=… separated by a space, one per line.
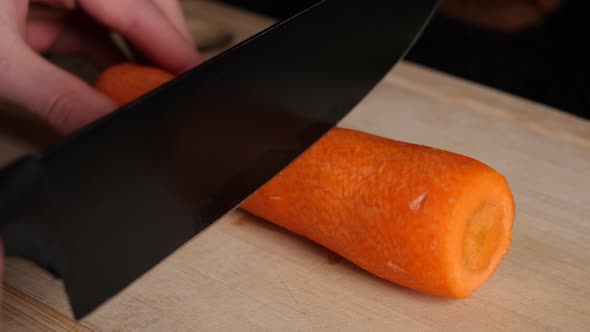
x=483 y=234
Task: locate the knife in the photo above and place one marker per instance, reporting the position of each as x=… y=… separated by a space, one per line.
x=110 y=201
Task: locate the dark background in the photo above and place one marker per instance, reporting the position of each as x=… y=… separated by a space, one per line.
x=547 y=63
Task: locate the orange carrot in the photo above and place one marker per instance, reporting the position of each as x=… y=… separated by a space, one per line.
x=424 y=218
x=126 y=82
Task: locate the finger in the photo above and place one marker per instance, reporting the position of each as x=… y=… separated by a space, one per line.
x=144 y=25
x=72 y=35
x=44 y=25
x=548 y=6
x=92 y=44
x=499 y=15
x=54 y=95
x=172 y=10
x=13 y=14
x=66 y=4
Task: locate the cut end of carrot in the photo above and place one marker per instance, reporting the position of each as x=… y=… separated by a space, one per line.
x=484 y=230
x=486 y=236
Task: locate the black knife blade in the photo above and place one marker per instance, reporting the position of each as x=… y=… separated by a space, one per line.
x=109 y=202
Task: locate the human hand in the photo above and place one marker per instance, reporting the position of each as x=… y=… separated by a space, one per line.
x=499 y=15
x=156 y=28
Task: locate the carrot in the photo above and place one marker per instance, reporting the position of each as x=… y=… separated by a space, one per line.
x=428 y=219
x=126 y=82
x=424 y=218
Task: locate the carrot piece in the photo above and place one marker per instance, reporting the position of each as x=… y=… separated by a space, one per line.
x=428 y=219
x=424 y=218
x=127 y=81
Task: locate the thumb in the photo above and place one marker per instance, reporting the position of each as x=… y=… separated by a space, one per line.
x=63 y=100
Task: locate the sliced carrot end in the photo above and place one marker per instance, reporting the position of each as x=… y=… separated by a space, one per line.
x=486 y=236
x=484 y=231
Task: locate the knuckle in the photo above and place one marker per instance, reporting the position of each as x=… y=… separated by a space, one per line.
x=133 y=18
x=60 y=110
x=118 y=14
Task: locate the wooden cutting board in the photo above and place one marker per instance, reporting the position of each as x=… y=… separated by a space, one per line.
x=244 y=274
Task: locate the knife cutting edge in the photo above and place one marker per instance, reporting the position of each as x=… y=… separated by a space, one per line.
x=109 y=202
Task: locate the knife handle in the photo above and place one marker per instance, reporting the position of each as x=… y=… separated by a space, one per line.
x=24 y=227
x=17 y=181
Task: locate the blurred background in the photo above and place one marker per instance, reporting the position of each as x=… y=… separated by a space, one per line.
x=536 y=49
